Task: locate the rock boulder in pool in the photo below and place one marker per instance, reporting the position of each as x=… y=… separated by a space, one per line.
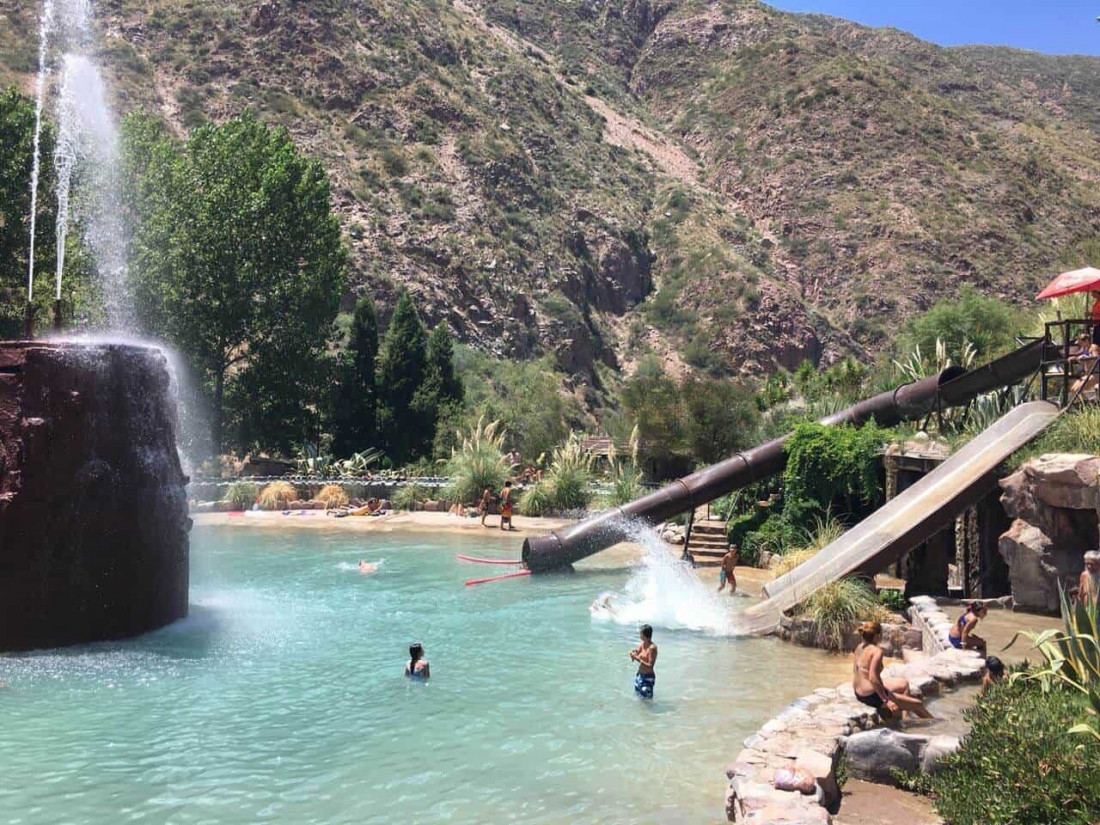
x=93 y=513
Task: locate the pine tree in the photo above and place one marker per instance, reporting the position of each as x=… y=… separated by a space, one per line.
x=441 y=366
x=401 y=373
x=355 y=407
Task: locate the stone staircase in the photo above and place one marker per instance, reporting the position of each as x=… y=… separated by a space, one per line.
x=708 y=542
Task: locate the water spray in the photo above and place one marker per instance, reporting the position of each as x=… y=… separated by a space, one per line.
x=45 y=24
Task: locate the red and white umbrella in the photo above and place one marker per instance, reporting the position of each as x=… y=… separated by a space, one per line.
x=1079 y=280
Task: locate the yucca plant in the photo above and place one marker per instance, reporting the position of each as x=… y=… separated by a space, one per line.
x=571 y=467
x=477 y=462
x=312 y=463
x=916 y=366
x=1072 y=655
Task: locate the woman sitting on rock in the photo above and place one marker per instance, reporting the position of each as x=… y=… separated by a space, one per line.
x=962 y=635
x=867 y=682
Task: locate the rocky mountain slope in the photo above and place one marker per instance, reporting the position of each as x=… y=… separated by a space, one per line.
x=724 y=185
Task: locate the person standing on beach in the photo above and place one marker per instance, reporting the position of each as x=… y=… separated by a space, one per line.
x=1088 y=586
x=483 y=505
x=645 y=655
x=506 y=507
x=729 y=565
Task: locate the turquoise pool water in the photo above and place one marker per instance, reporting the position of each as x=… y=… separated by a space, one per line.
x=280 y=699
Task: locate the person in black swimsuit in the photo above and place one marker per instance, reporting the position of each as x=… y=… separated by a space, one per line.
x=867 y=682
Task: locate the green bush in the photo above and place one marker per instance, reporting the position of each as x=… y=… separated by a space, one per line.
x=242 y=494
x=834 y=467
x=1018 y=765
x=988 y=323
x=409 y=497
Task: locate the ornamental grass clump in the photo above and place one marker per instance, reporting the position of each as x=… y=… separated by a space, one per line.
x=535 y=500
x=277 y=496
x=242 y=494
x=410 y=497
x=825 y=532
x=333 y=496
x=571 y=470
x=625 y=477
x=478 y=462
x=837 y=608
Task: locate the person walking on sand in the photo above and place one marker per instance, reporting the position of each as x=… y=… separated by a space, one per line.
x=506 y=504
x=727 y=574
x=483 y=505
x=1088 y=586
x=645 y=655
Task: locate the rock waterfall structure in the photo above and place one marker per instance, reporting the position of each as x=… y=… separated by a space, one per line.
x=93 y=513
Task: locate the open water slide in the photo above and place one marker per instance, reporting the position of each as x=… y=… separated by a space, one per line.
x=907 y=520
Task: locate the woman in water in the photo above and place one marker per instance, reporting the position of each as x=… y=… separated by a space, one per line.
x=417 y=667
x=867 y=682
x=962 y=635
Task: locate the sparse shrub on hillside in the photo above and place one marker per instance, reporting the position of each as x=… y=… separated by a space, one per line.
x=277 y=496
x=989 y=324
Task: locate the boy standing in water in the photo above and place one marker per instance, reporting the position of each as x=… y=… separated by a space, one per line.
x=726 y=574
x=645 y=655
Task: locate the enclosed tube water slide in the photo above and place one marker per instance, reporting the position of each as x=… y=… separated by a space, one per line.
x=951 y=388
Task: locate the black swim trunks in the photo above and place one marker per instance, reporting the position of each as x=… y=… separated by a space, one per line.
x=872 y=701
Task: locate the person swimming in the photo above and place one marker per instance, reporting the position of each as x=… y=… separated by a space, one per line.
x=367 y=567
x=602 y=606
x=417 y=666
x=962 y=635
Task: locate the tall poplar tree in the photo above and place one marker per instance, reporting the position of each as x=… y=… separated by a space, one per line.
x=356 y=404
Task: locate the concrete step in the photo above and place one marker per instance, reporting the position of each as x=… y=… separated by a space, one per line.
x=709 y=529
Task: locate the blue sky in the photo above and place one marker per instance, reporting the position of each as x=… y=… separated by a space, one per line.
x=1053 y=26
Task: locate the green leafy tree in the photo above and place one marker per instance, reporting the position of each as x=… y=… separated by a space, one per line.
x=720 y=417
x=355 y=406
x=401 y=372
x=16 y=158
x=653 y=403
x=238 y=263
x=442 y=376
x=988 y=324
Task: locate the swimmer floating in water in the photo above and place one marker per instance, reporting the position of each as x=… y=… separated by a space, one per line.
x=602 y=605
x=367 y=567
x=417 y=666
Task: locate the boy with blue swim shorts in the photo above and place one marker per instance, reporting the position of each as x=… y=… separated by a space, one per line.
x=645 y=655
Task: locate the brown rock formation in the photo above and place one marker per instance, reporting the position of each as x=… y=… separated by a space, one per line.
x=93 y=514
x=1053 y=501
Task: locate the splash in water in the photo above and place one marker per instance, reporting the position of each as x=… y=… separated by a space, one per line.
x=664 y=592
x=45 y=24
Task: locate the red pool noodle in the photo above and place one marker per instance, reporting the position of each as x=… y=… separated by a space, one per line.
x=498 y=578
x=476 y=560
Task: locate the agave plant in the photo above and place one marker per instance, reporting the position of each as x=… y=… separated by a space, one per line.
x=359 y=464
x=477 y=462
x=1072 y=655
x=916 y=365
x=312 y=463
